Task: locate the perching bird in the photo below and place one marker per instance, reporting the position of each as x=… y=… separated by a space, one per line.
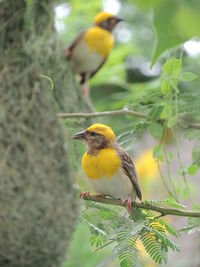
x=107 y=166
x=90 y=49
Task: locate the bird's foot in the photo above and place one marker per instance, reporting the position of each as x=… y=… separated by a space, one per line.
x=67 y=52
x=85 y=90
x=128 y=202
x=84 y=194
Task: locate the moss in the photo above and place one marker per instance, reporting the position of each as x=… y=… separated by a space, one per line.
x=38 y=208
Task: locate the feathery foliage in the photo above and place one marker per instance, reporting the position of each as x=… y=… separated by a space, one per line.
x=112 y=226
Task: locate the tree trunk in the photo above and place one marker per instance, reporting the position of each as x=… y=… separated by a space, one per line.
x=38 y=207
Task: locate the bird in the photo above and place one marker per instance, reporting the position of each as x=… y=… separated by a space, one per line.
x=91 y=48
x=108 y=167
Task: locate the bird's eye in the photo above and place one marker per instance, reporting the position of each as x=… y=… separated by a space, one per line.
x=111 y=20
x=93 y=134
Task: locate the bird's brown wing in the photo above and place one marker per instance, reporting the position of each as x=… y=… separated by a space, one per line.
x=102 y=63
x=130 y=170
x=68 y=51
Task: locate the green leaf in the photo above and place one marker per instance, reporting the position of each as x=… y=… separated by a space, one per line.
x=147 y=4
x=48 y=78
x=172 y=66
x=187 y=20
x=155 y=112
x=155 y=129
x=193 y=134
x=182 y=170
x=172 y=121
x=192 y=169
x=156 y=241
x=187 y=76
x=187 y=228
x=28 y=2
x=109 y=227
x=173 y=83
x=185 y=193
x=166 y=111
x=170 y=155
x=196 y=154
x=166 y=87
x=163 y=16
x=169 y=202
x=157 y=152
x=175 y=22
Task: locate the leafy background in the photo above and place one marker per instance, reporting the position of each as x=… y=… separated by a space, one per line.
x=154 y=69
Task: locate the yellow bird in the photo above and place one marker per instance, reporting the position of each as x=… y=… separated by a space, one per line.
x=107 y=166
x=90 y=49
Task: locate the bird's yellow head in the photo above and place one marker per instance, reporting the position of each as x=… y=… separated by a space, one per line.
x=102 y=129
x=106 y=20
x=97 y=136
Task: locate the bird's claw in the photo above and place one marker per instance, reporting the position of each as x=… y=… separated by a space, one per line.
x=67 y=53
x=85 y=90
x=128 y=202
x=84 y=194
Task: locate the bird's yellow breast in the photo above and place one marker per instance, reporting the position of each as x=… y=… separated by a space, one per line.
x=99 y=40
x=104 y=164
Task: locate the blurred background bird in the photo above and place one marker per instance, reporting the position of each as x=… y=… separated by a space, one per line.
x=91 y=48
x=107 y=166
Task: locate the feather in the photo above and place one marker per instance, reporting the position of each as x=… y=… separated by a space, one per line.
x=130 y=170
x=69 y=50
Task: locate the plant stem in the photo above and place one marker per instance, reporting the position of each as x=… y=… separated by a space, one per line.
x=118 y=113
x=102 y=114
x=181 y=165
x=163 y=179
x=142 y=205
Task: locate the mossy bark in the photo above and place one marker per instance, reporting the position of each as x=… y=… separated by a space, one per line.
x=38 y=208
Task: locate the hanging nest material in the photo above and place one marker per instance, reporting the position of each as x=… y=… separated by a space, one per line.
x=38 y=209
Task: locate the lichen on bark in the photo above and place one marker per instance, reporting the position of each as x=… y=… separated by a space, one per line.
x=38 y=208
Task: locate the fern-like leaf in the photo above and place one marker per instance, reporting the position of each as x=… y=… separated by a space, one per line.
x=169 y=228
x=155 y=240
x=166 y=203
x=108 y=225
x=153 y=247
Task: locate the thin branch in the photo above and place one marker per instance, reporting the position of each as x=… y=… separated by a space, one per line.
x=102 y=114
x=181 y=165
x=163 y=211
x=163 y=180
x=117 y=113
x=190 y=125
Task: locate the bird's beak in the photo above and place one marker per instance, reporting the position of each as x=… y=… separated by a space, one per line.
x=79 y=136
x=119 y=19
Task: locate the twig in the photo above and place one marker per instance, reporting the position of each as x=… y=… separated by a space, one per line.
x=163 y=179
x=163 y=211
x=102 y=114
x=181 y=165
x=190 y=125
x=117 y=113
